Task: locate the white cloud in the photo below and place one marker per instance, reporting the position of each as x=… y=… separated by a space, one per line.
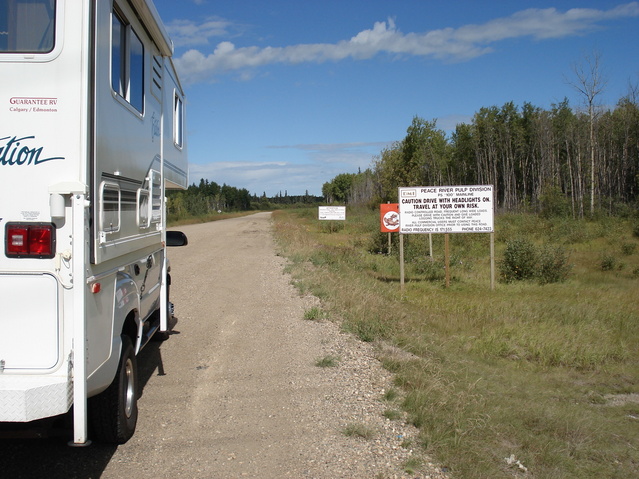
x=453 y=44
x=187 y=32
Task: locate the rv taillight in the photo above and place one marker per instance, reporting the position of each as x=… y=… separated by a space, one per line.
x=25 y=240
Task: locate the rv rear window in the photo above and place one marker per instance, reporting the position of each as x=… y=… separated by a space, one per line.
x=27 y=26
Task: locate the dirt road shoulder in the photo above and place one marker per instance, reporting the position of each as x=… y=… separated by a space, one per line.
x=238 y=393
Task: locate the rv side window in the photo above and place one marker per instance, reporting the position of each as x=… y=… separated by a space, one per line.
x=156 y=196
x=27 y=26
x=144 y=208
x=118 y=31
x=136 y=73
x=178 y=121
x=110 y=200
x=127 y=62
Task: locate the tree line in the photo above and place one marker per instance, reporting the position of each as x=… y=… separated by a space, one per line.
x=559 y=160
x=208 y=197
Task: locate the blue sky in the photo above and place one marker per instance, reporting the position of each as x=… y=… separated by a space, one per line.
x=284 y=95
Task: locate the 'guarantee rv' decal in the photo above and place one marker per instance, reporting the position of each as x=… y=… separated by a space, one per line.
x=33 y=105
x=13 y=151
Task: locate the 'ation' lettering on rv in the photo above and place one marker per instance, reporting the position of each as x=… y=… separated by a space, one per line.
x=12 y=154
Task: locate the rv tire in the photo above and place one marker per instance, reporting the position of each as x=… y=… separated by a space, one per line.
x=114 y=412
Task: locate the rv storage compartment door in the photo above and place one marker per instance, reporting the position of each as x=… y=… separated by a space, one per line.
x=29 y=321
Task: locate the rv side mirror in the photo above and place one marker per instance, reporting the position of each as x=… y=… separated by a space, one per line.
x=176 y=238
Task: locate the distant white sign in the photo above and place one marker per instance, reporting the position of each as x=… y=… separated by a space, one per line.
x=446 y=209
x=332 y=213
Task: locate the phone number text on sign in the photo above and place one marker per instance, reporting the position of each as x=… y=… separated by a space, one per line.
x=446 y=209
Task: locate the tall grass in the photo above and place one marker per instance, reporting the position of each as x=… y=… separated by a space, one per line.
x=524 y=371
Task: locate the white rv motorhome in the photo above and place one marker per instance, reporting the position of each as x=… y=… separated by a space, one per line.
x=91 y=133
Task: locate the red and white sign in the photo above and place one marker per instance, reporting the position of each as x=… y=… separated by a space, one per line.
x=389 y=217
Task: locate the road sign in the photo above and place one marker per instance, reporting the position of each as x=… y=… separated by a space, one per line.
x=389 y=217
x=446 y=209
x=332 y=213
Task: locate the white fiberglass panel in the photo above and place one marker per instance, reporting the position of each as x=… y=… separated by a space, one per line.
x=29 y=321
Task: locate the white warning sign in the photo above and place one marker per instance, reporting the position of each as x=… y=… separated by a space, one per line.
x=446 y=209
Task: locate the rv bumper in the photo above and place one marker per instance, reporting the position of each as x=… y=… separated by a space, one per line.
x=24 y=399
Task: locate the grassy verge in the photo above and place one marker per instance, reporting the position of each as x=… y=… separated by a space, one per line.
x=529 y=380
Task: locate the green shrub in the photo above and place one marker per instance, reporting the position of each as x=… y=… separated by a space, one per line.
x=428 y=267
x=392 y=414
x=359 y=430
x=628 y=249
x=368 y=330
x=554 y=203
x=378 y=243
x=568 y=231
x=332 y=226
x=390 y=395
x=314 y=314
x=520 y=261
x=553 y=265
x=609 y=263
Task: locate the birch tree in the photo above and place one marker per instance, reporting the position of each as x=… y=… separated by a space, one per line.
x=590 y=84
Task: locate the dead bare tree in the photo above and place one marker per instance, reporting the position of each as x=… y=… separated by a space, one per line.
x=590 y=83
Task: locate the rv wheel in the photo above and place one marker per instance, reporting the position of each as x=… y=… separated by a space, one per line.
x=114 y=412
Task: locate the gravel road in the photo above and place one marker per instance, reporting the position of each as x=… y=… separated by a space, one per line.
x=235 y=391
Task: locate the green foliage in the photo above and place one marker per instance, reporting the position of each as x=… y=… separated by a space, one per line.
x=378 y=242
x=520 y=261
x=314 y=314
x=208 y=198
x=338 y=189
x=429 y=268
x=330 y=226
x=327 y=362
x=530 y=156
x=359 y=430
x=554 y=203
x=412 y=465
x=523 y=260
x=628 y=249
x=368 y=330
x=416 y=247
x=390 y=395
x=392 y=414
x=421 y=158
x=553 y=265
x=609 y=262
